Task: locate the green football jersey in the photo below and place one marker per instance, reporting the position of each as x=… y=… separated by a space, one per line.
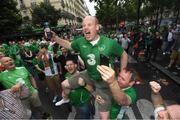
x=91 y=54
x=5 y=49
x=115 y=108
x=67 y=75
x=40 y=63
x=34 y=47
x=78 y=96
x=13 y=50
x=10 y=78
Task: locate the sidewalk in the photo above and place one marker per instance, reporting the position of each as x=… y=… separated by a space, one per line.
x=161 y=62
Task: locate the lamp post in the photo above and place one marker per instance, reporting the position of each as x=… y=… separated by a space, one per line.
x=138 y=11
x=120 y=4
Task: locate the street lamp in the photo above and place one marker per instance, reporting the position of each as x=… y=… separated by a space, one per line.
x=138 y=12
x=120 y=4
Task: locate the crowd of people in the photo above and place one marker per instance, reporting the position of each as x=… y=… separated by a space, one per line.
x=76 y=67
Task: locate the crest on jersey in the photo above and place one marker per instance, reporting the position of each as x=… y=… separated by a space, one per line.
x=102 y=48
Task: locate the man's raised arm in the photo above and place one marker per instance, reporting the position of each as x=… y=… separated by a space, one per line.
x=155 y=95
x=62 y=42
x=108 y=75
x=124 y=60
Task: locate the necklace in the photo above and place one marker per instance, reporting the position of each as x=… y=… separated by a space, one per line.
x=28 y=55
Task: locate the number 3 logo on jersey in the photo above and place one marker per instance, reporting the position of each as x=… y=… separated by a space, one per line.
x=91 y=59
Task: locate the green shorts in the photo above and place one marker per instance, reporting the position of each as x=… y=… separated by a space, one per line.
x=101 y=88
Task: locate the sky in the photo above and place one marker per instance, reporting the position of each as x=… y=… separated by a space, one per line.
x=90 y=6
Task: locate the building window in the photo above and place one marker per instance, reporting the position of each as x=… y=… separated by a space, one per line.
x=62 y=3
x=26 y=18
x=25 y=12
x=33 y=5
x=46 y=1
x=22 y=5
x=21 y=1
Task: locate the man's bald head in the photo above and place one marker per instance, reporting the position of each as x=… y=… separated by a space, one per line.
x=3 y=59
x=8 y=63
x=90 y=28
x=93 y=18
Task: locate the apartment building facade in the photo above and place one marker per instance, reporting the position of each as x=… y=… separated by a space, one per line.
x=72 y=11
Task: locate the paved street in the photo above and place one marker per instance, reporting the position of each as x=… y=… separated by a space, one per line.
x=45 y=35
x=143 y=109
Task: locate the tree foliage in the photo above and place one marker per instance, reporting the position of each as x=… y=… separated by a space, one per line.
x=106 y=12
x=176 y=9
x=45 y=12
x=109 y=12
x=10 y=17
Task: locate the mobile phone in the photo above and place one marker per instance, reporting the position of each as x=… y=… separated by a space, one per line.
x=104 y=60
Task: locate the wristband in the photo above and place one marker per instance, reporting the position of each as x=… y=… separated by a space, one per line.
x=21 y=81
x=158 y=109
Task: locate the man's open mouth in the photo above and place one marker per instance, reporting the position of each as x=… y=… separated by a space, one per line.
x=87 y=33
x=11 y=64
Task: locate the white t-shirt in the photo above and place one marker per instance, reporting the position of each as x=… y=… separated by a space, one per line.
x=170 y=36
x=95 y=41
x=125 y=42
x=48 y=71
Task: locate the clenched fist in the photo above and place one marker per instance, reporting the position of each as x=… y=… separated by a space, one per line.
x=155 y=87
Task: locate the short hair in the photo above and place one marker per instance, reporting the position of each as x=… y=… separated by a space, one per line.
x=44 y=46
x=132 y=71
x=70 y=58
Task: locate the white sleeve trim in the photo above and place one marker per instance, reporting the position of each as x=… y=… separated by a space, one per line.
x=158 y=109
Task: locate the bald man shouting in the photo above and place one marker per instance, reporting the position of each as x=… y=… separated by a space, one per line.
x=91 y=46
